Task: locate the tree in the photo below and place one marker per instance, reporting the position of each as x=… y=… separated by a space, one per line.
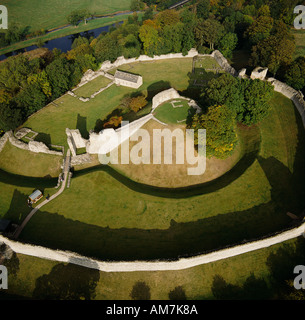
x=14 y=33
x=225 y=90
x=79 y=41
x=257 y=96
x=273 y=52
x=248 y=100
x=137 y=103
x=188 y=40
x=131 y=46
x=149 y=36
x=209 y=31
x=14 y=72
x=172 y=38
x=140 y=291
x=167 y=17
x=85 y=14
x=203 y=8
x=59 y=73
x=136 y=5
x=30 y=99
x=107 y=48
x=80 y=50
x=260 y=29
x=74 y=17
x=295 y=74
x=113 y=122
x=148 y=14
x=10 y=116
x=227 y=44
x=41 y=79
x=221 y=131
x=5 y=96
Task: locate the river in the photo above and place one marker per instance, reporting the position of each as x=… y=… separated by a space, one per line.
x=65 y=43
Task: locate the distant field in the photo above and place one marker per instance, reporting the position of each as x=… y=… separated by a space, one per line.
x=48 y=14
x=300 y=42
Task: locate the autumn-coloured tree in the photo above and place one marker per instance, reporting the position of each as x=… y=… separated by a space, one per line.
x=113 y=122
x=167 y=17
x=275 y=51
x=149 y=36
x=221 y=137
x=137 y=103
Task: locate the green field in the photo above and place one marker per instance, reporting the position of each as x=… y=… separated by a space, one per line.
x=300 y=42
x=173 y=112
x=49 y=14
x=256 y=275
x=93 y=86
x=30 y=164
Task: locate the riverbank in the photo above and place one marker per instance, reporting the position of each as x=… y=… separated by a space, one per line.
x=69 y=30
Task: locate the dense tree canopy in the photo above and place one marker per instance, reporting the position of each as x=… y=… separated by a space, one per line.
x=248 y=100
x=220 y=131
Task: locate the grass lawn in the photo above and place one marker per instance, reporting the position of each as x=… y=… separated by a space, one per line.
x=250 y=276
x=176 y=175
x=14 y=192
x=300 y=42
x=72 y=113
x=173 y=112
x=26 y=163
x=91 y=87
x=48 y=14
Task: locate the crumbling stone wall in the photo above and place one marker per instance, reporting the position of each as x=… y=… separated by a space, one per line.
x=223 y=62
x=34 y=146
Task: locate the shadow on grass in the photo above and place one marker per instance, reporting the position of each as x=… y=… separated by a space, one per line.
x=237 y=171
x=45 y=138
x=67 y=282
x=130 y=116
x=81 y=125
x=252 y=289
x=180 y=239
x=28 y=182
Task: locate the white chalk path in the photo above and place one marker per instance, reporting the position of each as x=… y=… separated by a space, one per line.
x=62 y=188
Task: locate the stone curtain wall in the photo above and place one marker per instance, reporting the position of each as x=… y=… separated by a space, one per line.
x=183 y=263
x=223 y=62
x=107 y=65
x=3 y=140
x=294 y=95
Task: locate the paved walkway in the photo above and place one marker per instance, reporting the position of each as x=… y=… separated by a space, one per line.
x=62 y=188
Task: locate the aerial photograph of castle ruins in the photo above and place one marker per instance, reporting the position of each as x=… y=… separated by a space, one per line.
x=152 y=150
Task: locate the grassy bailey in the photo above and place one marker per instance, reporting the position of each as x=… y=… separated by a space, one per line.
x=118 y=218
